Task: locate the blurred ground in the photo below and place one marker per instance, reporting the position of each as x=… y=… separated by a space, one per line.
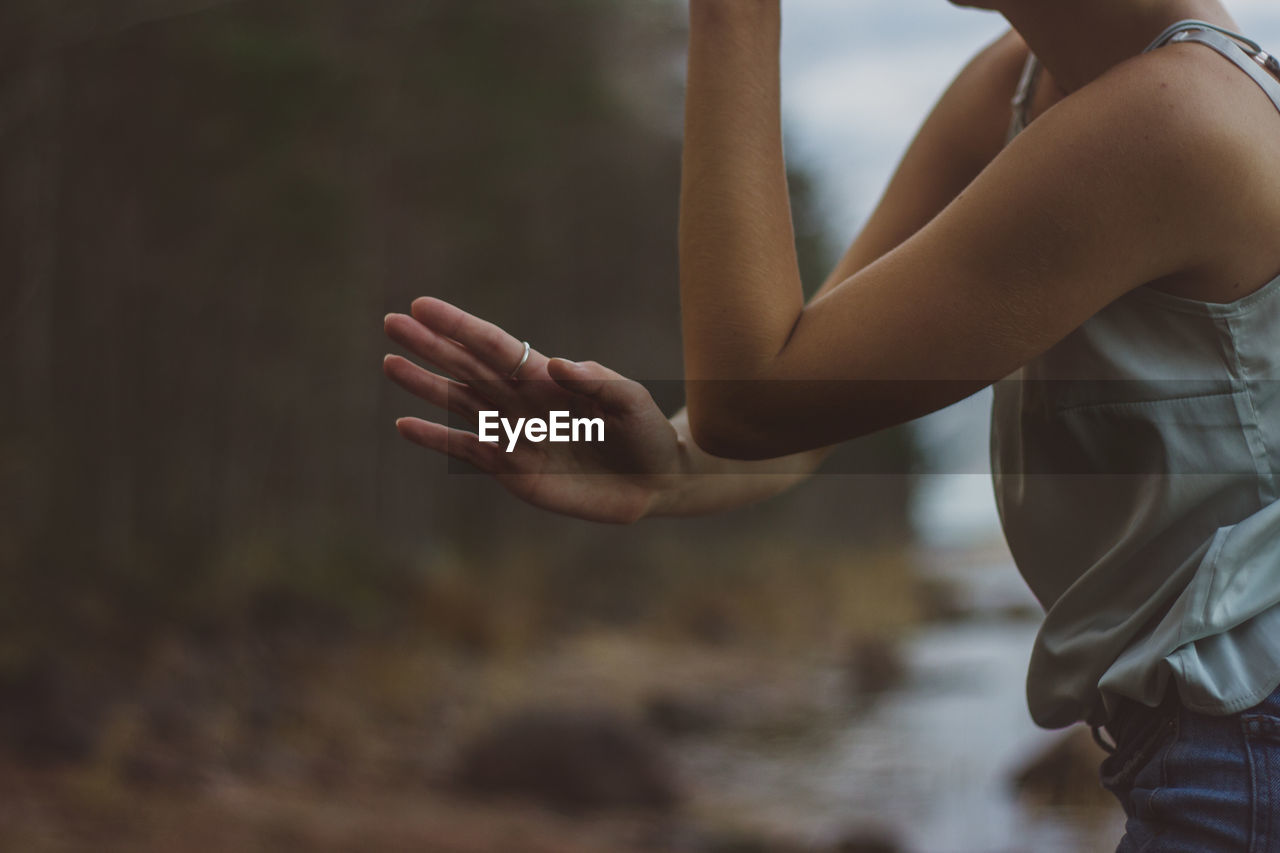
x=593 y=738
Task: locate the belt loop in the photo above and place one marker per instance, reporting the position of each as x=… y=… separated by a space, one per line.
x=1096 y=731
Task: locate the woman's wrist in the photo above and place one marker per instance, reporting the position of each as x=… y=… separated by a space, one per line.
x=670 y=491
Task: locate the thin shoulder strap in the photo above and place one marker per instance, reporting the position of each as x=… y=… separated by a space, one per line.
x=1194 y=24
x=1190 y=29
x=1022 y=97
x=1250 y=58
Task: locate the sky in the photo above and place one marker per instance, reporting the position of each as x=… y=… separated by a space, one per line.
x=857 y=79
x=859 y=76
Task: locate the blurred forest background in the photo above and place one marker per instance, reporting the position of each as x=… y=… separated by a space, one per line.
x=238 y=612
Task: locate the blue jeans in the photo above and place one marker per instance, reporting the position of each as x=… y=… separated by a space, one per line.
x=1195 y=783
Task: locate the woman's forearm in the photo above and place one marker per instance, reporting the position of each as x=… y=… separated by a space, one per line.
x=739 y=279
x=710 y=484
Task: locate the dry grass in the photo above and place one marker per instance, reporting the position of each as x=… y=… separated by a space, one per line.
x=70 y=813
x=765 y=594
x=283 y=741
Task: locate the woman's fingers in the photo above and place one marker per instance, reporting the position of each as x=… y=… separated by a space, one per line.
x=436 y=390
x=450 y=356
x=457 y=443
x=500 y=351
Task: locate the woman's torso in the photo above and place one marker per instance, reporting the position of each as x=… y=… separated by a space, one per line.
x=1135 y=466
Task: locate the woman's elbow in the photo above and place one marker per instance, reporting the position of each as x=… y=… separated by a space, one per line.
x=732 y=429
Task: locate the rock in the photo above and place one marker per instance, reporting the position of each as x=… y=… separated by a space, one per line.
x=670 y=837
x=154 y=766
x=941 y=600
x=48 y=715
x=677 y=716
x=875 y=664
x=1065 y=773
x=747 y=844
x=572 y=761
x=1020 y=613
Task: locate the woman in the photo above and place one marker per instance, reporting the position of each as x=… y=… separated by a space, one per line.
x=1119 y=225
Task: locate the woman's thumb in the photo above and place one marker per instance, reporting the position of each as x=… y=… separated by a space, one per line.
x=589 y=380
x=575 y=376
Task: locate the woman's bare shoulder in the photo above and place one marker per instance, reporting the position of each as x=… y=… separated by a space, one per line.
x=1219 y=127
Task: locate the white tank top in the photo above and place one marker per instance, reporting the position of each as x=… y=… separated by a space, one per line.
x=1135 y=466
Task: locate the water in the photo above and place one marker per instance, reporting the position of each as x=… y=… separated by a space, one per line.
x=929 y=763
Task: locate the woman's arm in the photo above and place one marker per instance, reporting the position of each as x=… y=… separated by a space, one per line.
x=709 y=484
x=1100 y=195
x=735 y=215
x=645 y=466
x=962 y=133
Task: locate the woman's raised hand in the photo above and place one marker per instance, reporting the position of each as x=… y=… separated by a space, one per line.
x=621 y=479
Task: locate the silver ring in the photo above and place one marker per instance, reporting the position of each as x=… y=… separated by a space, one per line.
x=523 y=358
